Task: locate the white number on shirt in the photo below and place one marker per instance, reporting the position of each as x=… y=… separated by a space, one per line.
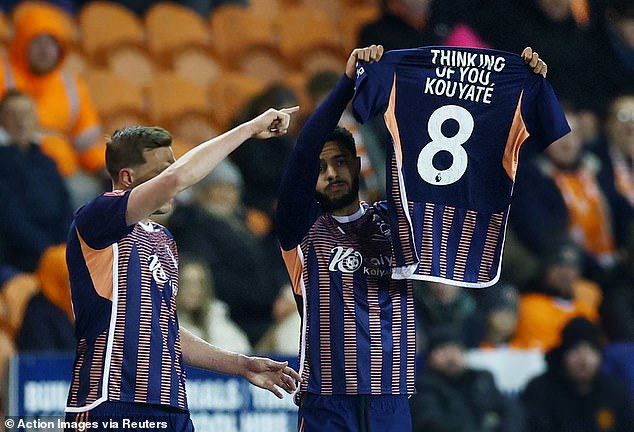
x=440 y=142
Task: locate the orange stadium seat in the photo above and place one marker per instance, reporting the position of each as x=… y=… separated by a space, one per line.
x=332 y=8
x=265 y=9
x=171 y=96
x=303 y=30
x=196 y=65
x=172 y=28
x=132 y=63
x=107 y=27
x=230 y=93
x=236 y=31
x=120 y=102
x=351 y=21
x=14 y=298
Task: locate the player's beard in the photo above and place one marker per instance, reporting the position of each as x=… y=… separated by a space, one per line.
x=330 y=205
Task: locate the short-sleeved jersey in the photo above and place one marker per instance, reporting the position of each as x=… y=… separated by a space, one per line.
x=457 y=119
x=124 y=281
x=358 y=324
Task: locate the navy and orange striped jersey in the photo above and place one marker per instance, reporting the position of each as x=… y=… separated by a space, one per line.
x=358 y=324
x=124 y=281
x=457 y=118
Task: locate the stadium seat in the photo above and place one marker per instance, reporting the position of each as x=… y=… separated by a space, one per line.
x=265 y=9
x=351 y=21
x=132 y=63
x=229 y=94
x=106 y=27
x=14 y=297
x=302 y=30
x=171 y=27
x=237 y=32
x=171 y=96
x=120 y=102
x=75 y=62
x=331 y=8
x=197 y=65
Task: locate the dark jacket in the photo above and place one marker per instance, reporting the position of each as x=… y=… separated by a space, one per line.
x=36 y=206
x=45 y=327
x=471 y=403
x=244 y=274
x=553 y=405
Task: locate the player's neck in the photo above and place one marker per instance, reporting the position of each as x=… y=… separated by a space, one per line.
x=348 y=210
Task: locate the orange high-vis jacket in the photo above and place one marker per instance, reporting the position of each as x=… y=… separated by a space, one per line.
x=542 y=317
x=68 y=119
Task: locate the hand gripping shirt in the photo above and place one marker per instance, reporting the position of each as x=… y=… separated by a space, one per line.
x=457 y=118
x=124 y=281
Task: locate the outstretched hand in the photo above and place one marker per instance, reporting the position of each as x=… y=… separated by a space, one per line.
x=369 y=54
x=531 y=58
x=272 y=122
x=271 y=375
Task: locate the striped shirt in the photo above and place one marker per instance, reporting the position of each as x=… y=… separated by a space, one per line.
x=124 y=281
x=358 y=324
x=457 y=118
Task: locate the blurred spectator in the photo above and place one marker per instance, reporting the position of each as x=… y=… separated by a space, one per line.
x=617 y=309
x=283 y=336
x=618 y=143
x=494 y=323
x=567 y=189
x=201 y=312
x=439 y=304
x=558 y=295
x=551 y=28
x=617 y=35
x=404 y=24
x=617 y=362
x=261 y=166
x=573 y=395
x=452 y=397
x=70 y=124
x=369 y=149
x=48 y=323
x=213 y=227
x=37 y=209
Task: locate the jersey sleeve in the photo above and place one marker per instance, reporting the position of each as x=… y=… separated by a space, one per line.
x=370 y=98
x=101 y=222
x=543 y=114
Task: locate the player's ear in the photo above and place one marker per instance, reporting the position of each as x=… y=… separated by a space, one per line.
x=126 y=177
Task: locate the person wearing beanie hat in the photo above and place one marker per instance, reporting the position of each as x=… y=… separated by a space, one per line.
x=453 y=397
x=573 y=394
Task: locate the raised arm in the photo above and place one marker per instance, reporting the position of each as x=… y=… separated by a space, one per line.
x=297 y=206
x=262 y=372
x=146 y=198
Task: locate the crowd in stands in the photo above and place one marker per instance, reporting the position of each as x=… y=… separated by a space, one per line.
x=567 y=288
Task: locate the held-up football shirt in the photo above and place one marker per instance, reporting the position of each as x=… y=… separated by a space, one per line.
x=457 y=118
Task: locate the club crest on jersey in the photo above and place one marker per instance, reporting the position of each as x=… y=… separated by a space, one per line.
x=346 y=260
x=158 y=274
